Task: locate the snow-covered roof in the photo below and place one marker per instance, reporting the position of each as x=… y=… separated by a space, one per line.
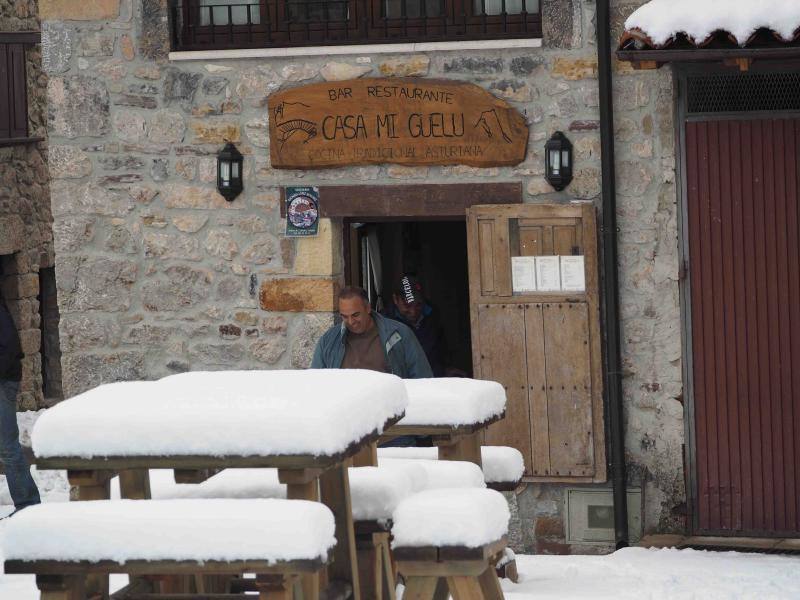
x=659 y=22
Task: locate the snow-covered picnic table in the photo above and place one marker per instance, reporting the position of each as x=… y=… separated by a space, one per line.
x=304 y=423
x=453 y=412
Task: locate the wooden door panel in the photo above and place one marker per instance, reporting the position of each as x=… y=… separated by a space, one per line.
x=544 y=347
x=537 y=389
x=502 y=333
x=569 y=397
x=485 y=249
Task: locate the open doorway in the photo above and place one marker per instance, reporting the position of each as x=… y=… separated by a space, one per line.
x=377 y=254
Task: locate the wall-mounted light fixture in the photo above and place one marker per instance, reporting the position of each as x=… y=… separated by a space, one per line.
x=558 y=161
x=229 y=172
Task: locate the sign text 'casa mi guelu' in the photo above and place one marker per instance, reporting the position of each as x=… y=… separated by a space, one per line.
x=402 y=121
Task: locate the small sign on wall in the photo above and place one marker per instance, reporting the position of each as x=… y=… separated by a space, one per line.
x=302 y=211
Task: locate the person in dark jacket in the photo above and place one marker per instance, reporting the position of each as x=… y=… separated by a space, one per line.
x=410 y=308
x=368 y=340
x=18 y=474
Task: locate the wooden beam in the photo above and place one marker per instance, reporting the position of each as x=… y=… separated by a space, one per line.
x=708 y=54
x=423 y=200
x=159 y=567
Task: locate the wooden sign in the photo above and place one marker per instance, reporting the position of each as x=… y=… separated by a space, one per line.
x=400 y=121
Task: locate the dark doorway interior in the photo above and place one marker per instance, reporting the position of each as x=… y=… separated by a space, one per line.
x=433 y=251
x=51 y=347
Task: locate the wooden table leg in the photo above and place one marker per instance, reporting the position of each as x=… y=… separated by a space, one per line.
x=134 y=484
x=93 y=485
x=303 y=484
x=61 y=587
x=367 y=456
x=463 y=447
x=420 y=588
x=275 y=587
x=335 y=492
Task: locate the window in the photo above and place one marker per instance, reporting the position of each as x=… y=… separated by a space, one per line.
x=13 y=94
x=219 y=24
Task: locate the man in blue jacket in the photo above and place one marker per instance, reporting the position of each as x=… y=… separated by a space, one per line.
x=18 y=475
x=368 y=340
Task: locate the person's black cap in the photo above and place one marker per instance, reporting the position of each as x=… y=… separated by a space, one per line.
x=409 y=289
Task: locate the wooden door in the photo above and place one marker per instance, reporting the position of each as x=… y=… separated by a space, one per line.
x=544 y=347
x=744 y=250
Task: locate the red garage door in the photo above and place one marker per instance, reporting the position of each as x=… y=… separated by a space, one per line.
x=744 y=265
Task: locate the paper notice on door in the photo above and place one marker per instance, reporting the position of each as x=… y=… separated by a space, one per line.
x=548 y=276
x=573 y=278
x=523 y=273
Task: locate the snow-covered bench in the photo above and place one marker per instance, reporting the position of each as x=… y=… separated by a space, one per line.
x=503 y=467
x=453 y=412
x=450 y=538
x=375 y=492
x=278 y=540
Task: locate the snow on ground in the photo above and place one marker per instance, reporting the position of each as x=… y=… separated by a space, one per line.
x=662 y=19
x=650 y=574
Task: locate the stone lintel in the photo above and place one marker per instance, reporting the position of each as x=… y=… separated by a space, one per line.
x=298 y=294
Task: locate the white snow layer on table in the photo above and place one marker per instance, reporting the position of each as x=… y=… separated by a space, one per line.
x=376 y=492
x=662 y=19
x=123 y=530
x=500 y=463
x=318 y=412
x=450 y=517
x=441 y=473
x=452 y=401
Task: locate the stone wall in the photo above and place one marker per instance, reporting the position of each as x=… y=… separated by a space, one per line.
x=158 y=274
x=26 y=241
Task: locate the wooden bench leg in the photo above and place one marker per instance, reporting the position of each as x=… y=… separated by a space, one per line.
x=369 y=568
x=465 y=588
x=490 y=584
x=388 y=578
x=442 y=591
x=275 y=587
x=61 y=587
x=420 y=588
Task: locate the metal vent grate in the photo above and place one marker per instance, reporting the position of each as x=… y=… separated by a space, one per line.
x=743 y=92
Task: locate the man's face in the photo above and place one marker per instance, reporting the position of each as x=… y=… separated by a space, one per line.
x=410 y=311
x=355 y=313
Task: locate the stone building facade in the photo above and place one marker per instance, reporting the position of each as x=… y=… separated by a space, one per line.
x=26 y=240
x=158 y=274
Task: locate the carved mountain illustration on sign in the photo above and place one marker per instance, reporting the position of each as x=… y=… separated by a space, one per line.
x=401 y=121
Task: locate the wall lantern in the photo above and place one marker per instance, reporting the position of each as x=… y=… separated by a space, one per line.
x=558 y=161
x=229 y=172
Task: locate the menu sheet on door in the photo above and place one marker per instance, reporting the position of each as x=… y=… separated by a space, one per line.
x=548 y=274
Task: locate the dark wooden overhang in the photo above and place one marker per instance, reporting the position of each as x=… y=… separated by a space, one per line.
x=636 y=48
